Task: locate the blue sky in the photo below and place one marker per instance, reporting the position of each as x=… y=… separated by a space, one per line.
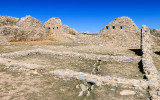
x=85 y=15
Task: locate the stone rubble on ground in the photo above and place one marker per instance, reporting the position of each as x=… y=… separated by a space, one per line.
x=73 y=54
x=83 y=88
x=100 y=80
x=13 y=63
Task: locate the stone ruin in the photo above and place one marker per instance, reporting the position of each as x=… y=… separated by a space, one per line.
x=152 y=81
x=57 y=31
x=149 y=68
x=150 y=72
x=53 y=26
x=5 y=21
x=30 y=29
x=122 y=31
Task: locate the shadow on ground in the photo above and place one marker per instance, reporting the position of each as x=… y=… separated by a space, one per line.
x=137 y=51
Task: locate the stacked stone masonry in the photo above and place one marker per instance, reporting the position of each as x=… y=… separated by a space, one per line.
x=122 y=31
x=30 y=29
x=150 y=70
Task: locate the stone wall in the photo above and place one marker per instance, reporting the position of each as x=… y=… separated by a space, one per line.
x=31 y=29
x=7 y=20
x=53 y=26
x=100 y=80
x=59 y=32
x=123 y=32
x=3 y=40
x=21 y=65
x=69 y=30
x=150 y=70
x=12 y=33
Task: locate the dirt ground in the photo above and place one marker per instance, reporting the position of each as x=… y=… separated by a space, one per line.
x=28 y=85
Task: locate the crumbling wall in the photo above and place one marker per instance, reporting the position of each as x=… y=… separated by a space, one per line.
x=12 y=33
x=150 y=70
x=7 y=20
x=26 y=29
x=33 y=28
x=57 y=32
x=53 y=27
x=123 y=32
x=74 y=54
x=69 y=30
x=3 y=40
x=13 y=63
x=100 y=80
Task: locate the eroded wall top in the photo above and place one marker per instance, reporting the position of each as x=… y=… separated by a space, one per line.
x=7 y=20
x=53 y=23
x=124 y=24
x=122 y=31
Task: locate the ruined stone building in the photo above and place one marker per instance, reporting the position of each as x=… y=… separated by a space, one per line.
x=122 y=31
x=57 y=31
x=53 y=26
x=30 y=29
x=5 y=22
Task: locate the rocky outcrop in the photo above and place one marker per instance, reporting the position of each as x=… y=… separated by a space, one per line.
x=7 y=20
x=123 y=32
x=33 y=29
x=149 y=68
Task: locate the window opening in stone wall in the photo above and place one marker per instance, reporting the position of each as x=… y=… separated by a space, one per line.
x=113 y=27
x=53 y=27
x=57 y=27
x=49 y=28
x=107 y=27
x=122 y=27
